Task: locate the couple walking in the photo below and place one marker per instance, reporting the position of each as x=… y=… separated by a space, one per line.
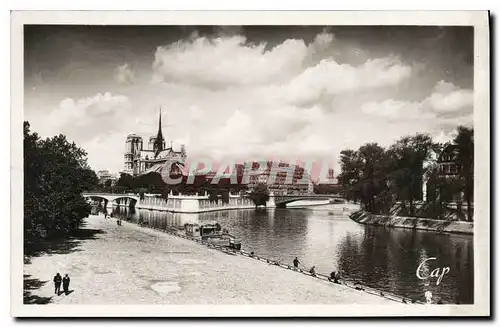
x=57 y=284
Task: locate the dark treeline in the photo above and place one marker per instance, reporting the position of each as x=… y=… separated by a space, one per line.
x=55 y=175
x=154 y=183
x=381 y=177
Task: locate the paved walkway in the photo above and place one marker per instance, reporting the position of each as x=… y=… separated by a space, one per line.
x=132 y=265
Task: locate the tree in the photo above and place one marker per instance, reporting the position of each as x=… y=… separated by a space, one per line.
x=409 y=154
x=224 y=196
x=365 y=176
x=464 y=140
x=90 y=180
x=351 y=173
x=127 y=182
x=260 y=195
x=55 y=175
x=142 y=192
x=107 y=184
x=213 y=197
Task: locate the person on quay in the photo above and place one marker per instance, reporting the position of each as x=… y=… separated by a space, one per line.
x=296 y=263
x=312 y=271
x=65 y=282
x=334 y=278
x=57 y=283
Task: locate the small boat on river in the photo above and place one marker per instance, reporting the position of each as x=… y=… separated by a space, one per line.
x=212 y=232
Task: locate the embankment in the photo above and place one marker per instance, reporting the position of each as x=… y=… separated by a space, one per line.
x=132 y=265
x=442 y=226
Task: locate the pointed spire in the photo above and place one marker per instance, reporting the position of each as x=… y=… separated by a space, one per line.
x=159 y=135
x=158 y=146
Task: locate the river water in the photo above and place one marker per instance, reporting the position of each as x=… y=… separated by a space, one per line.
x=323 y=236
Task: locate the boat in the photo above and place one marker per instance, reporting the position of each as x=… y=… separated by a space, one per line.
x=212 y=232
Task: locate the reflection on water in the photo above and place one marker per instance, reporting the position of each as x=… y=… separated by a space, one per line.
x=383 y=258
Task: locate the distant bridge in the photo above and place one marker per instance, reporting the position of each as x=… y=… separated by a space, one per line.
x=283 y=199
x=280 y=200
x=110 y=199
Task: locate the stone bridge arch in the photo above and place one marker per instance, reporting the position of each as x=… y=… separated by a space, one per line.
x=110 y=199
x=282 y=200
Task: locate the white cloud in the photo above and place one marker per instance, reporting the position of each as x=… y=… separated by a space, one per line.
x=329 y=78
x=448 y=98
x=85 y=118
x=125 y=74
x=392 y=109
x=447 y=103
x=226 y=97
x=226 y=61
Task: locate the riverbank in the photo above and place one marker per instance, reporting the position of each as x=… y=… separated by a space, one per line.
x=132 y=265
x=441 y=226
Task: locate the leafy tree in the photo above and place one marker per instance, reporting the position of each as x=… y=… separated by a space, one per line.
x=107 y=185
x=260 y=195
x=351 y=173
x=213 y=196
x=365 y=176
x=127 y=182
x=225 y=196
x=142 y=192
x=464 y=140
x=409 y=154
x=55 y=175
x=90 y=180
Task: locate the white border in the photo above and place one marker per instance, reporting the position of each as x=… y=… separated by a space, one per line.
x=479 y=19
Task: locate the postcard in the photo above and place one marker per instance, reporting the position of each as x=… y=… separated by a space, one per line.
x=250 y=164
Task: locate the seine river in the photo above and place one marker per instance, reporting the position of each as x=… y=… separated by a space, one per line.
x=382 y=258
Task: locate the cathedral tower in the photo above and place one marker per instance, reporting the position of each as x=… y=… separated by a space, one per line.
x=159 y=143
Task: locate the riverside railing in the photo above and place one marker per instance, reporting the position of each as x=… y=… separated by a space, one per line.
x=347 y=282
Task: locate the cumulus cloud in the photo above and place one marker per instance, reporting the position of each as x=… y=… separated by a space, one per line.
x=448 y=98
x=331 y=78
x=447 y=103
x=124 y=74
x=227 y=97
x=393 y=109
x=229 y=60
x=87 y=117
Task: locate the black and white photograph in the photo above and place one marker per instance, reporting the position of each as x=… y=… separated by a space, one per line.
x=252 y=164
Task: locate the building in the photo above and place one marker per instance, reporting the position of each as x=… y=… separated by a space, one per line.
x=447 y=161
x=282 y=183
x=105 y=175
x=140 y=159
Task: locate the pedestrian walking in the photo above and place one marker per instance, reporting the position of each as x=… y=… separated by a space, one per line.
x=296 y=263
x=65 y=282
x=57 y=283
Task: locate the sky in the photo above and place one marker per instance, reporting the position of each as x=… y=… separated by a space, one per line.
x=246 y=92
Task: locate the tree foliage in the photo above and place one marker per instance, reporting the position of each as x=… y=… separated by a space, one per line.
x=260 y=195
x=55 y=175
x=464 y=140
x=381 y=177
x=154 y=183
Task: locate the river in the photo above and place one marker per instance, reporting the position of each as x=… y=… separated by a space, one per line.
x=382 y=258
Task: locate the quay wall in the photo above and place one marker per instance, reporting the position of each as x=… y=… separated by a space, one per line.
x=196 y=204
x=441 y=226
x=200 y=203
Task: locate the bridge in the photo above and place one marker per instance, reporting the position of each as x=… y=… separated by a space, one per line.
x=283 y=199
x=109 y=199
x=186 y=203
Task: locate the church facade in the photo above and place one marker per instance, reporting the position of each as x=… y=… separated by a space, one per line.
x=140 y=159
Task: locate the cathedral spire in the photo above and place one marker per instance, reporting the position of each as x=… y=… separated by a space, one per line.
x=159 y=142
